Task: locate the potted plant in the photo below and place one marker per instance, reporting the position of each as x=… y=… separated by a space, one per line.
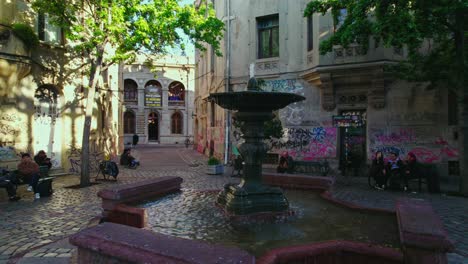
x=215 y=166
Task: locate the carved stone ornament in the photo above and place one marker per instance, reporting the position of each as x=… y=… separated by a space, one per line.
x=5 y=34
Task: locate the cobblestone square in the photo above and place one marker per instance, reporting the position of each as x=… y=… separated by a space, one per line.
x=37 y=231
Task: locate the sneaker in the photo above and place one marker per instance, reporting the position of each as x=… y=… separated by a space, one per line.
x=15 y=198
x=405 y=188
x=383 y=186
x=29 y=188
x=378 y=188
x=37 y=196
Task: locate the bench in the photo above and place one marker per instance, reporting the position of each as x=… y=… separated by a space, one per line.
x=422 y=234
x=44 y=183
x=308 y=167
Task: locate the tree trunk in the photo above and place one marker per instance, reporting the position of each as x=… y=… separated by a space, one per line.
x=94 y=76
x=463 y=90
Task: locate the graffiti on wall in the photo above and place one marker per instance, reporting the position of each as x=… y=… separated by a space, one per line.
x=308 y=143
x=293 y=114
x=427 y=148
x=9 y=124
x=7 y=153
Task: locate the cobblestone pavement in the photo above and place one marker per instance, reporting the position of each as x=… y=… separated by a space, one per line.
x=36 y=231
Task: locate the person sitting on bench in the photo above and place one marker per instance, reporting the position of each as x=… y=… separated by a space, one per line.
x=285 y=163
x=7 y=182
x=128 y=160
x=42 y=160
x=415 y=170
x=30 y=172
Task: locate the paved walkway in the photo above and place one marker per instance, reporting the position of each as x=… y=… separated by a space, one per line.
x=37 y=231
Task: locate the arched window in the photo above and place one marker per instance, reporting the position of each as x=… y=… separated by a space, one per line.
x=176 y=94
x=176 y=123
x=153 y=94
x=130 y=91
x=129 y=122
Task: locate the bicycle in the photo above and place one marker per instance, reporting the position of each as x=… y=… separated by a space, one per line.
x=188 y=142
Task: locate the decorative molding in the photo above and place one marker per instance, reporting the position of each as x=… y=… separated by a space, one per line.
x=5 y=34
x=342 y=53
x=267 y=66
x=377 y=91
x=327 y=92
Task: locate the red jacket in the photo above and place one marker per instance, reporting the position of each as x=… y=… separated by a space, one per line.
x=28 y=167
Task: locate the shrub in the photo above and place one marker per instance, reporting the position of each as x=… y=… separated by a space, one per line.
x=26 y=34
x=213 y=161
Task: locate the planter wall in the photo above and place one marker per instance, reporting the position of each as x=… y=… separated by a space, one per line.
x=215 y=169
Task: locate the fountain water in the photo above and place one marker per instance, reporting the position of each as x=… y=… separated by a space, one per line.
x=253 y=107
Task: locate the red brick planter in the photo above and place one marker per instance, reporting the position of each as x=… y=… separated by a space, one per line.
x=422 y=234
x=114 y=199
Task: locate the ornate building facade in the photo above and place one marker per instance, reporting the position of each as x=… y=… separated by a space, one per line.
x=353 y=106
x=158 y=107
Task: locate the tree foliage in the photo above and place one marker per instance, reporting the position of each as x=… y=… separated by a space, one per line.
x=102 y=33
x=431 y=31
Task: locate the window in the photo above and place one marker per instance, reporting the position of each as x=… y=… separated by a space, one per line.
x=310 y=34
x=129 y=122
x=268 y=36
x=176 y=94
x=48 y=32
x=153 y=94
x=343 y=13
x=176 y=123
x=130 y=90
x=452 y=108
x=213 y=114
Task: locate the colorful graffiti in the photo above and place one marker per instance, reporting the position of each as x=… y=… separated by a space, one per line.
x=308 y=143
x=7 y=153
x=406 y=140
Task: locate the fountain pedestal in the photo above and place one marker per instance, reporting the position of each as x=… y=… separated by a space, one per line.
x=251 y=196
x=253 y=107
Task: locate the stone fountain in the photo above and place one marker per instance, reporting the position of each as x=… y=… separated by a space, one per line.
x=253 y=107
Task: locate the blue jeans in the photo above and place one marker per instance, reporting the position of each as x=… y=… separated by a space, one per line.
x=34 y=180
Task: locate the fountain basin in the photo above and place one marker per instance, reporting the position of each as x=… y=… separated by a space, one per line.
x=420 y=231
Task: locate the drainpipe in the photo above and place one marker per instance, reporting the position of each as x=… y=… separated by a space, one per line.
x=228 y=80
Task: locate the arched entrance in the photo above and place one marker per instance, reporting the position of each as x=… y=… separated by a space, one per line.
x=153 y=127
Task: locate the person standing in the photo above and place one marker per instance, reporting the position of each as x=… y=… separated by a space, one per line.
x=135 y=140
x=30 y=170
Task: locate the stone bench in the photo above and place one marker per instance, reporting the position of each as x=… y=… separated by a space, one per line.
x=114 y=243
x=422 y=234
x=297 y=181
x=317 y=167
x=336 y=251
x=115 y=198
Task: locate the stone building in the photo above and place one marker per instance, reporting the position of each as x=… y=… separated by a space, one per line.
x=158 y=107
x=42 y=99
x=353 y=106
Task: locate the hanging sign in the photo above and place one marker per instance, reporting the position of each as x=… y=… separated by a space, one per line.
x=348 y=121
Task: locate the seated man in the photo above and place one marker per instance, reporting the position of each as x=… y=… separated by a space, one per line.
x=7 y=182
x=286 y=163
x=128 y=160
x=29 y=170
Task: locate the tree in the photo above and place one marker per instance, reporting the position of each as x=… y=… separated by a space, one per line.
x=107 y=32
x=435 y=34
